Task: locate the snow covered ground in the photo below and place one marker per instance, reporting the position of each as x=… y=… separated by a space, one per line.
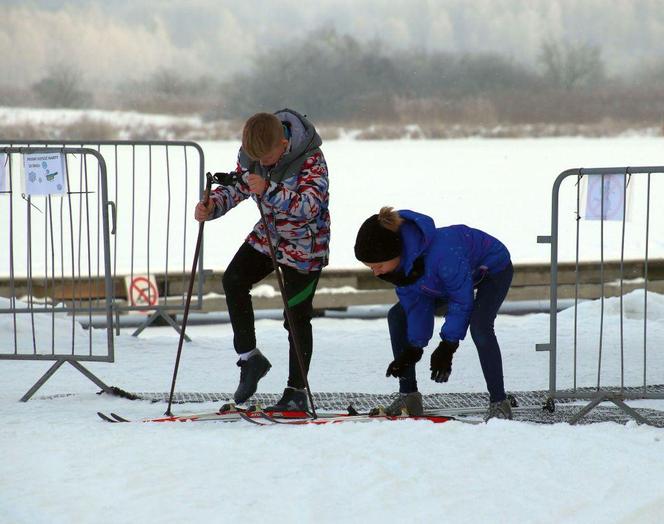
x=62 y=464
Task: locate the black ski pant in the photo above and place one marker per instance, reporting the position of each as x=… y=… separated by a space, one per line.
x=246 y=269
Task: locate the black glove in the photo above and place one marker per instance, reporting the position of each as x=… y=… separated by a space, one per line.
x=441 y=360
x=408 y=357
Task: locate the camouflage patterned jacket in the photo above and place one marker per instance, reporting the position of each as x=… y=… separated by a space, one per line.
x=296 y=207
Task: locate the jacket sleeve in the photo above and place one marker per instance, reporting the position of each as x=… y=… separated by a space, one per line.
x=305 y=201
x=226 y=198
x=458 y=281
x=420 y=312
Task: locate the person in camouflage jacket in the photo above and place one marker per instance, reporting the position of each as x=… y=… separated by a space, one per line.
x=280 y=166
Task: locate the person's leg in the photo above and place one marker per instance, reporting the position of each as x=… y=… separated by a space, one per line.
x=300 y=288
x=397 y=323
x=409 y=398
x=247 y=268
x=490 y=295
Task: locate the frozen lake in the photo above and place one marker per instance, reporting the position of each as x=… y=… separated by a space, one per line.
x=500 y=185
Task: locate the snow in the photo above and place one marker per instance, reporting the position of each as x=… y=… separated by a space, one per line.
x=62 y=464
x=17 y=116
x=65 y=465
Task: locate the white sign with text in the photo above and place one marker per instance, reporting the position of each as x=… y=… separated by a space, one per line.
x=44 y=174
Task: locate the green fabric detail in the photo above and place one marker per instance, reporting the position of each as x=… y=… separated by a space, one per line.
x=302 y=295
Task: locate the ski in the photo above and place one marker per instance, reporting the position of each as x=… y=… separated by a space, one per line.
x=351 y=418
x=232 y=413
x=105 y=417
x=256 y=420
x=336 y=419
x=227 y=413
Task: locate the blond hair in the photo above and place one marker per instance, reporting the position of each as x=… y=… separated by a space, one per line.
x=389 y=218
x=261 y=134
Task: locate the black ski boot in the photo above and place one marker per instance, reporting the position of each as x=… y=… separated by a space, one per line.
x=292 y=400
x=251 y=371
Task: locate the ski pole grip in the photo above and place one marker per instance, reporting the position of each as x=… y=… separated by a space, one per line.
x=208 y=187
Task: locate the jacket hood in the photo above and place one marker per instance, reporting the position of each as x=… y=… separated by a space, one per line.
x=417 y=232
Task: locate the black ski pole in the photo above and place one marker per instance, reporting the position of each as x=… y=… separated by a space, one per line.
x=287 y=311
x=192 y=278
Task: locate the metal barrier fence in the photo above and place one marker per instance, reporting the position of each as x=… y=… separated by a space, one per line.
x=602 y=347
x=154 y=185
x=54 y=216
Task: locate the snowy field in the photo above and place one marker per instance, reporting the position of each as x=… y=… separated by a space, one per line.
x=62 y=464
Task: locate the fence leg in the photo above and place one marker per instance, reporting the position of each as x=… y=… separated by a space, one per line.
x=587 y=409
x=630 y=411
x=54 y=368
x=153 y=317
x=90 y=375
x=42 y=380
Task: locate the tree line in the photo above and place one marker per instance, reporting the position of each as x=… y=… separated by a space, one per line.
x=336 y=79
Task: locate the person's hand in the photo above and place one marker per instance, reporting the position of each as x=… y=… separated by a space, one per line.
x=203 y=211
x=441 y=360
x=257 y=184
x=411 y=355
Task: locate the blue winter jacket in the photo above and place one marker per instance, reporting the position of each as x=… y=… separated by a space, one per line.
x=455 y=257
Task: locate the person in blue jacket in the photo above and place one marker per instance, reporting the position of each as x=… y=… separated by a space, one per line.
x=464 y=269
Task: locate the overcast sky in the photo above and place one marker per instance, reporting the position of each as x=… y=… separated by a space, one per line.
x=126 y=39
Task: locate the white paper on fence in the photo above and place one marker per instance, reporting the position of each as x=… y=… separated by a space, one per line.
x=614 y=196
x=44 y=174
x=3 y=172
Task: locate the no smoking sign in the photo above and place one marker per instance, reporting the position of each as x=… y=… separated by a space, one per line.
x=142 y=290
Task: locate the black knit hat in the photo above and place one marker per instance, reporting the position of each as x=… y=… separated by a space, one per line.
x=375 y=243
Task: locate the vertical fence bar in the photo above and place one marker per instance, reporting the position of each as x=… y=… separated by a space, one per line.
x=115 y=236
x=87 y=229
x=645 y=290
x=53 y=290
x=12 y=282
x=184 y=224
x=168 y=224
x=622 y=281
x=29 y=265
x=601 y=277
x=133 y=213
x=109 y=282
x=80 y=226
x=576 y=275
x=73 y=259
x=553 y=290
x=99 y=205
x=149 y=218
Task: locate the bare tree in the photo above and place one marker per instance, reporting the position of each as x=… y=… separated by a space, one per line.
x=61 y=87
x=569 y=66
